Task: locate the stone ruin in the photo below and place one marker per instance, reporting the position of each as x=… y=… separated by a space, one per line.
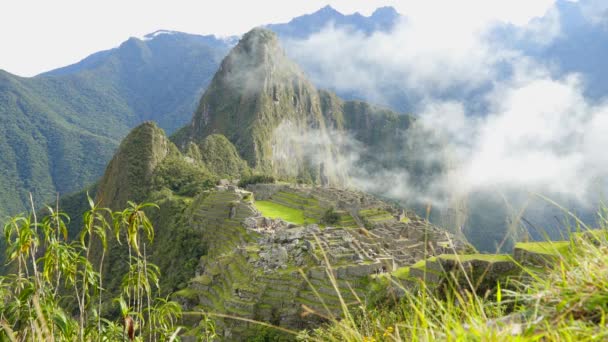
x=268 y=269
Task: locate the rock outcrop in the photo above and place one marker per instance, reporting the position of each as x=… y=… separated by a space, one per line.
x=282 y=125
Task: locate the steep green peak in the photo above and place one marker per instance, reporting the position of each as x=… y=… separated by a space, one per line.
x=255 y=63
x=221 y=157
x=259 y=41
x=128 y=174
x=256 y=88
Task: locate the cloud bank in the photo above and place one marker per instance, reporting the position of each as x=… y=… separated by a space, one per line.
x=507 y=123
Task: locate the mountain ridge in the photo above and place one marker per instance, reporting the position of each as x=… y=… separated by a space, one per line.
x=218 y=245
x=51 y=120
x=157 y=77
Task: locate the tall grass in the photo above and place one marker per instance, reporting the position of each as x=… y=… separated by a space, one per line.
x=566 y=302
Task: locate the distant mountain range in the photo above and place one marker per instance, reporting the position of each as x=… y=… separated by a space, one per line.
x=382 y=20
x=60 y=128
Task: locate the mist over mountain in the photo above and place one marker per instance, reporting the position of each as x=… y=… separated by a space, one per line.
x=448 y=79
x=500 y=96
x=50 y=118
x=333 y=178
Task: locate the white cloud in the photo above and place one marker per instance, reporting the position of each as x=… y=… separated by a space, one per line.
x=542 y=30
x=425 y=58
x=536 y=133
x=41 y=35
x=540 y=135
x=595 y=10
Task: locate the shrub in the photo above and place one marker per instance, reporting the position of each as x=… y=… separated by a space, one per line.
x=330 y=217
x=256 y=179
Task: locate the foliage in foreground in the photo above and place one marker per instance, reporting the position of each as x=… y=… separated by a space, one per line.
x=55 y=292
x=568 y=302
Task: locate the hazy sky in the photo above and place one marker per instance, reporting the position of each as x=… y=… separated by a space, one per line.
x=40 y=35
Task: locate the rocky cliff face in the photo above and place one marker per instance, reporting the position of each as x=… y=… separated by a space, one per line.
x=281 y=125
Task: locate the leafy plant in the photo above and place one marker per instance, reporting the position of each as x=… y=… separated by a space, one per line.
x=53 y=273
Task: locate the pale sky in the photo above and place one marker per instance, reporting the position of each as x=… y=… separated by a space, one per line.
x=40 y=35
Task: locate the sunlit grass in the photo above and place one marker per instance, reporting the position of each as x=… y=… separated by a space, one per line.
x=275 y=210
x=402 y=273
x=549 y=247
x=482 y=257
x=567 y=302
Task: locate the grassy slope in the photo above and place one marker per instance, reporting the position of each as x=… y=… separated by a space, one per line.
x=275 y=210
x=550 y=248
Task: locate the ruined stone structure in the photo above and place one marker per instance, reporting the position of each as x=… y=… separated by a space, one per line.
x=272 y=270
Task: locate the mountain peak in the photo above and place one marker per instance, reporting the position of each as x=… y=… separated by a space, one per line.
x=258 y=37
x=385 y=12
x=256 y=87
x=131 y=167
x=327 y=10
x=256 y=56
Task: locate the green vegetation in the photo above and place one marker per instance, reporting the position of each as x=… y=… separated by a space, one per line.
x=402 y=273
x=56 y=292
x=221 y=158
x=550 y=248
x=59 y=130
x=275 y=210
x=482 y=257
x=566 y=302
x=183 y=178
x=330 y=217
x=256 y=179
x=308 y=205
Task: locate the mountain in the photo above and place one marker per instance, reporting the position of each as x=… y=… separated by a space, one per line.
x=229 y=249
x=55 y=122
x=159 y=77
x=257 y=89
x=281 y=124
x=60 y=128
x=383 y=19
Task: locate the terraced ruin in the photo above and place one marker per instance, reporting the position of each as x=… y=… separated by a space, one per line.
x=272 y=270
x=483 y=271
x=295 y=274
